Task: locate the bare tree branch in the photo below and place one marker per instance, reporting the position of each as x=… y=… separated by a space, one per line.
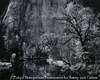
x=68 y=40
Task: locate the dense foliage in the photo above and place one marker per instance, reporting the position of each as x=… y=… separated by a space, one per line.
x=73 y=41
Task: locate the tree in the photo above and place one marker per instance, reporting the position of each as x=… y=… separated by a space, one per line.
x=49 y=44
x=78 y=23
x=22 y=27
x=15 y=25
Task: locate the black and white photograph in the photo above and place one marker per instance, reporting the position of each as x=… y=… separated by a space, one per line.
x=49 y=39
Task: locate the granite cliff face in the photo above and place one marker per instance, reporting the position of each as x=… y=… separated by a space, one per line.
x=91 y=3
x=38 y=13
x=45 y=10
x=38 y=16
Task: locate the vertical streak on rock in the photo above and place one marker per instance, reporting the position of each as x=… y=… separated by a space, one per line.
x=35 y=7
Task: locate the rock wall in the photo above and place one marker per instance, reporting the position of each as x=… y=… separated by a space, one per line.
x=39 y=15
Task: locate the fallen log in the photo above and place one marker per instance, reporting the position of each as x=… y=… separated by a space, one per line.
x=35 y=58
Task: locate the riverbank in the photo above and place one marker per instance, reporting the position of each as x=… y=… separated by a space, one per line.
x=5 y=70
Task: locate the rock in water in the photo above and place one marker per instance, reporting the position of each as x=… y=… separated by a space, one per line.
x=5 y=65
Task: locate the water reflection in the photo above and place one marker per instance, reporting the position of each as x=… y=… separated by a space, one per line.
x=40 y=68
x=37 y=68
x=17 y=69
x=34 y=68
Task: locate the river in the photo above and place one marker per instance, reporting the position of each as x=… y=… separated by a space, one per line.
x=31 y=68
x=34 y=68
